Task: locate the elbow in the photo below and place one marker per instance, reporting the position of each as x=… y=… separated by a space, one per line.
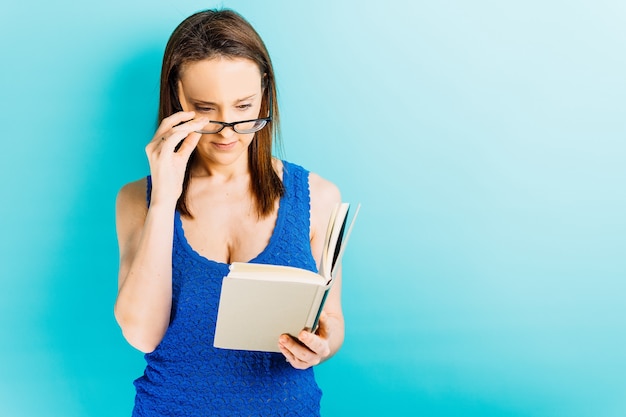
x=139 y=341
x=137 y=335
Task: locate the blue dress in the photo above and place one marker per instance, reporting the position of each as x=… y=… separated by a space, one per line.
x=186 y=375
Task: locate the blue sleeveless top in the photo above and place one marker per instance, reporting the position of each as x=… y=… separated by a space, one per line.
x=186 y=375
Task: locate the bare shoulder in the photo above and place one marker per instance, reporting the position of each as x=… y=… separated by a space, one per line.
x=324 y=196
x=132 y=196
x=323 y=192
x=131 y=209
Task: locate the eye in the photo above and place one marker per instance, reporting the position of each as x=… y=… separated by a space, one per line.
x=244 y=106
x=202 y=109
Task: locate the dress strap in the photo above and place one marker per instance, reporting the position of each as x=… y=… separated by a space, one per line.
x=148 y=189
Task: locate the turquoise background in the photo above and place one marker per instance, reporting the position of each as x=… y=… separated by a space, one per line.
x=485 y=139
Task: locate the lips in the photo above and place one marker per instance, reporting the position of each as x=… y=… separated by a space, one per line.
x=224 y=146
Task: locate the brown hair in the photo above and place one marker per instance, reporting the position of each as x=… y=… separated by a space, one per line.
x=224 y=33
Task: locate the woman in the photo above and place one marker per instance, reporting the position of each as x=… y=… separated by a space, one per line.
x=215 y=195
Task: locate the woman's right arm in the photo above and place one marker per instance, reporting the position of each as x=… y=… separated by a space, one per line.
x=145 y=235
x=144 y=295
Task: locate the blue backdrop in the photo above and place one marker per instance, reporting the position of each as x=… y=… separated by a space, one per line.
x=485 y=140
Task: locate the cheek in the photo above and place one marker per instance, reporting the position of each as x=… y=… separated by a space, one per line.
x=246 y=137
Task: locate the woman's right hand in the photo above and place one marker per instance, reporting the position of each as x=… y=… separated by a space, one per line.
x=167 y=163
x=144 y=298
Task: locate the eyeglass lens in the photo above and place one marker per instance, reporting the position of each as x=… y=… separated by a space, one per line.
x=249 y=126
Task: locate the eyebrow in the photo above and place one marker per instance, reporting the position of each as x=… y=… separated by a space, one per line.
x=211 y=103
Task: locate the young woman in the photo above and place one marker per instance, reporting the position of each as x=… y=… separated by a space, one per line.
x=216 y=195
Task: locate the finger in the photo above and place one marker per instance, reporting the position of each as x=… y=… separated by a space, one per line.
x=189 y=144
x=292 y=345
x=173 y=120
x=314 y=343
x=191 y=125
x=302 y=355
x=173 y=138
x=165 y=129
x=289 y=356
x=293 y=359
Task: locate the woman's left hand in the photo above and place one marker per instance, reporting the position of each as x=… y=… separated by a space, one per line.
x=310 y=348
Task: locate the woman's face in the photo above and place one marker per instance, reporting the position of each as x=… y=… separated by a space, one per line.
x=224 y=90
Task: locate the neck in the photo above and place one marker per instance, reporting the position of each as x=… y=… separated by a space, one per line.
x=220 y=172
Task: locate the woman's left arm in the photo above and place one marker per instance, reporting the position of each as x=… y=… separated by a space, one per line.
x=313 y=348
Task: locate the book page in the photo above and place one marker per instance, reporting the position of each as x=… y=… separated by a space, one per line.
x=266 y=272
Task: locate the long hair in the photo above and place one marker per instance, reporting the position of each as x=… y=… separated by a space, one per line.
x=224 y=33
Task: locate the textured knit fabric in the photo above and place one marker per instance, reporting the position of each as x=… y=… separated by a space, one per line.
x=186 y=375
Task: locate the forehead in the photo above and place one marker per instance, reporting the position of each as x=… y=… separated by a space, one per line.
x=221 y=78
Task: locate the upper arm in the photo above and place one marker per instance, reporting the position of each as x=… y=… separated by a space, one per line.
x=324 y=197
x=130 y=214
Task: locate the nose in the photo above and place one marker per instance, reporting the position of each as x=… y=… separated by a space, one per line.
x=227 y=132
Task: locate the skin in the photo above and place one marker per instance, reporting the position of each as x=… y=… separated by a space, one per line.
x=225 y=227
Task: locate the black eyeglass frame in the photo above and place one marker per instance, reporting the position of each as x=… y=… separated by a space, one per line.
x=233 y=126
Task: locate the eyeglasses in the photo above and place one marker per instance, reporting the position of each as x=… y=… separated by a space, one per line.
x=243 y=126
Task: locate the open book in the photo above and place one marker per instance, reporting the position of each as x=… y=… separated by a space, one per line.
x=260 y=302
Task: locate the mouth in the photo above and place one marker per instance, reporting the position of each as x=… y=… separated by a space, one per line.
x=224 y=146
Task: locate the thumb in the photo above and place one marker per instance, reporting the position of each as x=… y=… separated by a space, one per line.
x=188 y=144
